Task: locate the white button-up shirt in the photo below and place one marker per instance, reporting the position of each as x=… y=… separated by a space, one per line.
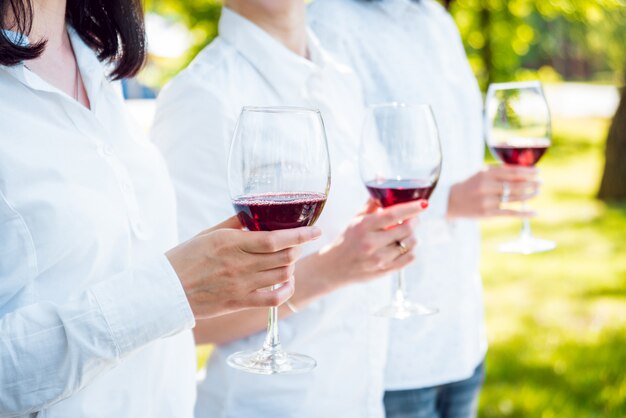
x=194 y=124
x=86 y=295
x=411 y=51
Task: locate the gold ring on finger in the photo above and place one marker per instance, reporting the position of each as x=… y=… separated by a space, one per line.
x=403 y=248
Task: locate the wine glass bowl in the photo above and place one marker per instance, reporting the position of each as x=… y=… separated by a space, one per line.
x=279 y=178
x=518 y=133
x=400 y=161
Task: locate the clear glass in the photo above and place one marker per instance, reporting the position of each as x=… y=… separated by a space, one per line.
x=400 y=161
x=519 y=131
x=279 y=177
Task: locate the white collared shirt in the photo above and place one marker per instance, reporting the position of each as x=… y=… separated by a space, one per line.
x=87 y=297
x=411 y=51
x=194 y=124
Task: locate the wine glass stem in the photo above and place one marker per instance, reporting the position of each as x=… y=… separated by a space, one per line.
x=400 y=295
x=272 y=340
x=526 y=232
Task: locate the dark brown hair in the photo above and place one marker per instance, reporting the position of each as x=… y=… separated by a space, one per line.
x=114 y=29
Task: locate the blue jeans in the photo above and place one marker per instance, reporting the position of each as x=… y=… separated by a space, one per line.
x=452 y=400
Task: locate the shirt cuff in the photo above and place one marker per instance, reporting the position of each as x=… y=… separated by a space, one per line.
x=144 y=305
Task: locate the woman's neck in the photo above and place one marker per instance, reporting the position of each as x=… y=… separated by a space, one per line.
x=285 y=20
x=57 y=63
x=49 y=24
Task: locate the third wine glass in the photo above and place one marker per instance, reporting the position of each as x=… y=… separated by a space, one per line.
x=517 y=121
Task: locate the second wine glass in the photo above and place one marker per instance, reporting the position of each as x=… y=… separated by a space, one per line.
x=279 y=178
x=400 y=161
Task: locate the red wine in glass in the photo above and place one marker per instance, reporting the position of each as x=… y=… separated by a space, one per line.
x=393 y=192
x=273 y=211
x=525 y=155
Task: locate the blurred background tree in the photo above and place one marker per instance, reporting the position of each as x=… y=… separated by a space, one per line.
x=553 y=40
x=613 y=184
x=561 y=39
x=568 y=39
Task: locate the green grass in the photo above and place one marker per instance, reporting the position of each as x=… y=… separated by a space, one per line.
x=557 y=321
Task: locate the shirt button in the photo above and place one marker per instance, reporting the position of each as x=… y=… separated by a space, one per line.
x=127 y=187
x=105 y=150
x=140 y=230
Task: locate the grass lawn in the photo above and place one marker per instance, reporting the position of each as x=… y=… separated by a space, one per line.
x=557 y=321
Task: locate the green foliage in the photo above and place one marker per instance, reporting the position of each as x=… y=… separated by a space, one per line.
x=581 y=39
x=199 y=16
x=571 y=39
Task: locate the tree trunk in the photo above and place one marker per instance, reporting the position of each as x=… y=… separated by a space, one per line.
x=613 y=185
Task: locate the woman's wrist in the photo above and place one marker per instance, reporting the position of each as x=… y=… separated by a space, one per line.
x=314 y=279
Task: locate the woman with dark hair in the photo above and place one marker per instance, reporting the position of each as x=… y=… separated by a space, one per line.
x=95 y=312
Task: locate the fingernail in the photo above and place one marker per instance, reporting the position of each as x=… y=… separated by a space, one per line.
x=315 y=232
x=424 y=204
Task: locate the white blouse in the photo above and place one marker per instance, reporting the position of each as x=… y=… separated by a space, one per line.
x=194 y=124
x=411 y=51
x=86 y=295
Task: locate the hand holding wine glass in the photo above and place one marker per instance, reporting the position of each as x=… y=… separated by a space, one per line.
x=480 y=196
x=368 y=247
x=225 y=269
x=517 y=121
x=279 y=178
x=400 y=162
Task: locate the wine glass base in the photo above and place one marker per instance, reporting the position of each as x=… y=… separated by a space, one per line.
x=405 y=309
x=527 y=245
x=271 y=362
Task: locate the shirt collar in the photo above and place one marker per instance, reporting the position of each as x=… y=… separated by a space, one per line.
x=91 y=69
x=283 y=69
x=397 y=8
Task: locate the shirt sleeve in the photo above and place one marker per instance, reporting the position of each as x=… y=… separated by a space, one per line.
x=193 y=130
x=49 y=351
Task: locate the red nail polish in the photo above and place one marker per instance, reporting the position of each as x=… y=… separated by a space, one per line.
x=424 y=204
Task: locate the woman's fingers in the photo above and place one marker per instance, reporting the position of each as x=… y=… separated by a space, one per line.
x=512 y=173
x=517 y=187
x=276 y=297
x=400 y=262
x=263 y=242
x=395 y=233
x=387 y=255
x=273 y=277
x=262 y=262
x=394 y=215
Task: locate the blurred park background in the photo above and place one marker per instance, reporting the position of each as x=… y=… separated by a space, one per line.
x=557 y=321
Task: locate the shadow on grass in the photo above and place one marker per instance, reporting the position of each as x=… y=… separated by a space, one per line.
x=573 y=379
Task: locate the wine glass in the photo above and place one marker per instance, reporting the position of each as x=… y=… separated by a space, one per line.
x=279 y=178
x=517 y=122
x=400 y=161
